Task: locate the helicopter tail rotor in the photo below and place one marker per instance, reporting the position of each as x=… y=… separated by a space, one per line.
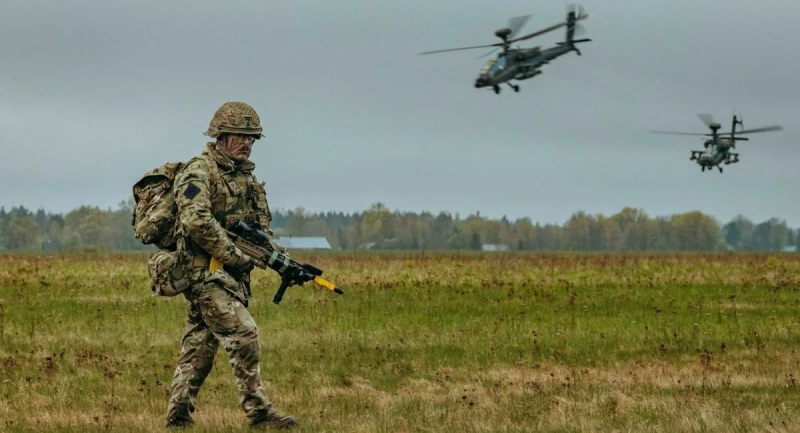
x=575 y=13
x=736 y=121
x=735 y=135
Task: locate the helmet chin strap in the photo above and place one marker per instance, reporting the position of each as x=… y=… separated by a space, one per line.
x=222 y=147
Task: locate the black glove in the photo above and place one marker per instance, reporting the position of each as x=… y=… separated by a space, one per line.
x=243 y=265
x=298 y=275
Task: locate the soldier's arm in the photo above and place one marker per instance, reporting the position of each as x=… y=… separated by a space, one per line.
x=192 y=192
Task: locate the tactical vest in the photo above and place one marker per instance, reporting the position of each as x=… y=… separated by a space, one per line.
x=233 y=194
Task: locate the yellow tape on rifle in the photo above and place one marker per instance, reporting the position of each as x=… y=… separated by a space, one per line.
x=214 y=265
x=324 y=283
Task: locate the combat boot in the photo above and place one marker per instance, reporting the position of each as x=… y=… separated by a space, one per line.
x=273 y=420
x=179 y=422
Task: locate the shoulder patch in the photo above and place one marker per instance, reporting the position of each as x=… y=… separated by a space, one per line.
x=191 y=191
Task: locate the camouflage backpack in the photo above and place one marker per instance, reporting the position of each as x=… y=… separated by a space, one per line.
x=155 y=214
x=154 y=220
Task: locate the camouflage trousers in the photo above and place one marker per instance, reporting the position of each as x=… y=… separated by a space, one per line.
x=216 y=316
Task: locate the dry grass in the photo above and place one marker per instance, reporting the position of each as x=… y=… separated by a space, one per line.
x=423 y=342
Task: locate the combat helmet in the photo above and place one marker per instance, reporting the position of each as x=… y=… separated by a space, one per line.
x=235 y=118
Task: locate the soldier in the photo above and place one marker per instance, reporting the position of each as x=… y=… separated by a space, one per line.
x=214 y=187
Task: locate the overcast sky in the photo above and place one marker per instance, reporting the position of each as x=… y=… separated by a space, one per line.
x=94 y=93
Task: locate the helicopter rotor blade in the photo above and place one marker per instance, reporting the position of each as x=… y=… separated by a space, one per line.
x=679 y=133
x=537 y=33
x=499 y=44
x=762 y=129
x=515 y=24
x=580 y=14
x=706 y=118
x=489 y=53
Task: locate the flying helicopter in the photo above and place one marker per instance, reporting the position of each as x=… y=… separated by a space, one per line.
x=524 y=63
x=718 y=147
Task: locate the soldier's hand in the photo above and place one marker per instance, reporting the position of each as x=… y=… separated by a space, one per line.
x=297 y=275
x=243 y=265
x=303 y=276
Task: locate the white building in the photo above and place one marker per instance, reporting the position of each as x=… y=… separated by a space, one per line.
x=304 y=242
x=494 y=247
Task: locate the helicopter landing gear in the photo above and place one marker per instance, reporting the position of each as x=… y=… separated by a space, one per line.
x=513 y=86
x=496 y=89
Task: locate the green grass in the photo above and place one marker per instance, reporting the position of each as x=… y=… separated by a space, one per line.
x=422 y=342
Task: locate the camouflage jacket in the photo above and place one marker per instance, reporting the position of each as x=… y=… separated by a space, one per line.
x=210 y=189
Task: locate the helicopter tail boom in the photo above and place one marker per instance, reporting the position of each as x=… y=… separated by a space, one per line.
x=571 y=44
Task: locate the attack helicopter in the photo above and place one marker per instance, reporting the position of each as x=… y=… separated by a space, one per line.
x=524 y=63
x=718 y=147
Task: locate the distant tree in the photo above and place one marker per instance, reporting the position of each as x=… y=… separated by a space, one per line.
x=22 y=233
x=577 y=232
x=475 y=242
x=733 y=235
x=630 y=229
x=695 y=231
x=779 y=234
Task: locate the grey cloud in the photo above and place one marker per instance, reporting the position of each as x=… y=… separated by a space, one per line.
x=95 y=93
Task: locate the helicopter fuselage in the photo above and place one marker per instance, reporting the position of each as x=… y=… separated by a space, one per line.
x=519 y=64
x=715 y=154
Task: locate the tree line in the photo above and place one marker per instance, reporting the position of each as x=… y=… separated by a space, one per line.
x=378 y=227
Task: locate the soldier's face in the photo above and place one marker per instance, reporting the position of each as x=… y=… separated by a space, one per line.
x=238 y=147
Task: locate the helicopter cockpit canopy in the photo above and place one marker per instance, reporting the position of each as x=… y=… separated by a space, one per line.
x=498 y=66
x=489 y=64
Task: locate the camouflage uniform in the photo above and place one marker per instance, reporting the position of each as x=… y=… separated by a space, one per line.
x=210 y=189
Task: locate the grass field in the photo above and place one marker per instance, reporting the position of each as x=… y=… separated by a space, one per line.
x=423 y=342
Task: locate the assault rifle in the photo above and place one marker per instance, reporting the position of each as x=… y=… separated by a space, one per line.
x=256 y=244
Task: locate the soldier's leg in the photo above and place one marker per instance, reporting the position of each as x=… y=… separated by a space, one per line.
x=236 y=330
x=196 y=359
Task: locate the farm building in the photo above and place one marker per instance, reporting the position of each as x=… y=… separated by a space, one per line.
x=51 y=245
x=304 y=242
x=494 y=247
